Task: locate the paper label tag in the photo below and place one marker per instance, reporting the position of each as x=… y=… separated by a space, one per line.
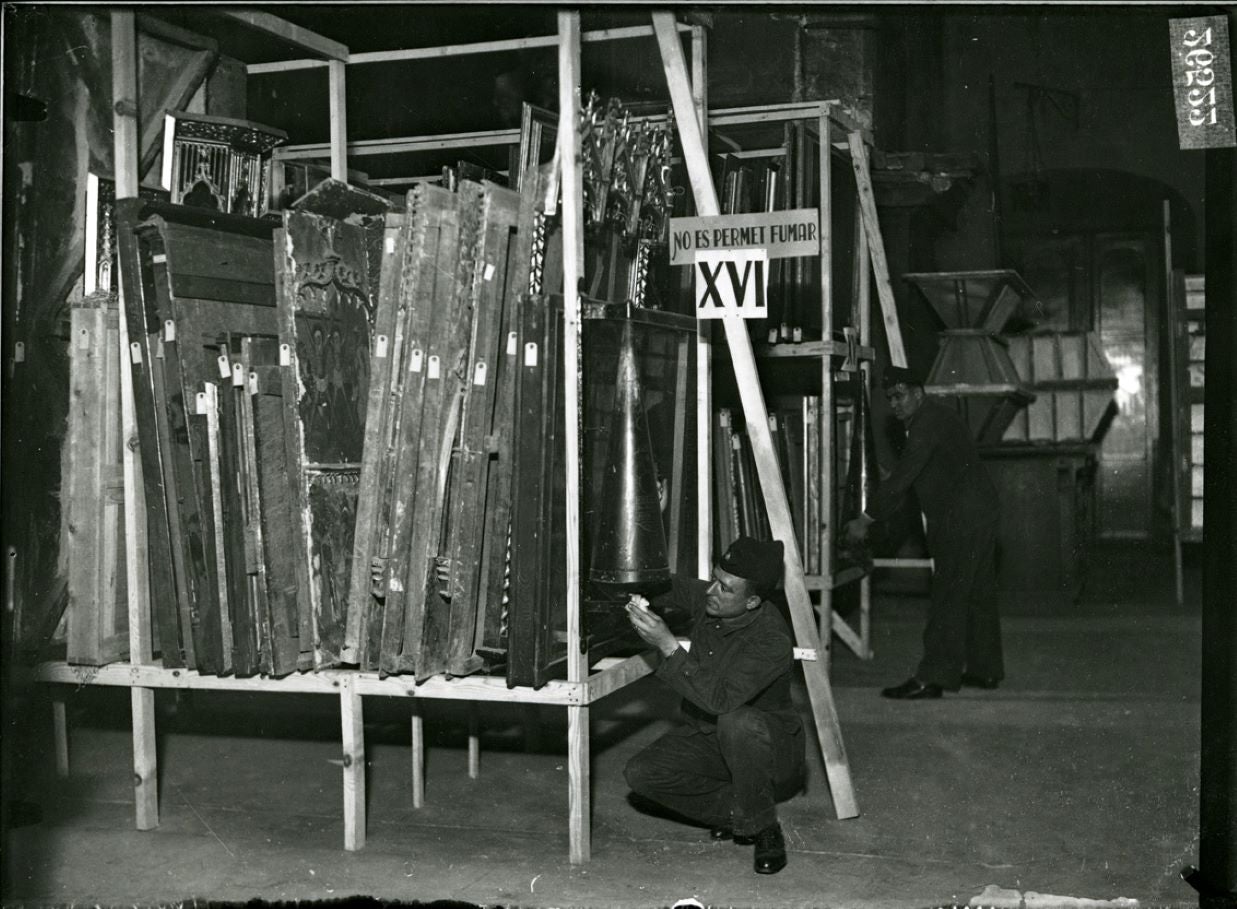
x=238 y=375
x=135 y=352
x=158 y=348
x=225 y=368
x=478 y=374
x=169 y=330
x=735 y=443
x=489 y=271
x=200 y=401
x=511 y=343
x=253 y=383
x=414 y=361
x=390 y=245
x=530 y=354
x=19 y=352
x=380 y=347
x=773 y=422
x=285 y=355
x=431 y=370
x=83 y=340
x=159 y=258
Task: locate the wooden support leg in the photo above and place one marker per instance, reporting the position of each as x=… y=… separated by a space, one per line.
x=865 y=618
x=474 y=740
x=532 y=728
x=145 y=763
x=60 y=735
x=1179 y=568
x=578 y=784
x=352 y=719
x=418 y=757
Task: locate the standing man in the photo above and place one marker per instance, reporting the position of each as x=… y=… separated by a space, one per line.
x=739 y=749
x=962 y=641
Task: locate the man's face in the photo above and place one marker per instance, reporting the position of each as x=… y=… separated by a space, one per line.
x=728 y=595
x=904 y=400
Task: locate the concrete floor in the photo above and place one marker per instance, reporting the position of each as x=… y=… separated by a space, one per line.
x=1078 y=778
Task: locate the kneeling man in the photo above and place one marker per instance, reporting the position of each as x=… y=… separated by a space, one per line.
x=739 y=749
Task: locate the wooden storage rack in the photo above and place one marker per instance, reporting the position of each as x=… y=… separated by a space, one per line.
x=585 y=683
x=1186 y=295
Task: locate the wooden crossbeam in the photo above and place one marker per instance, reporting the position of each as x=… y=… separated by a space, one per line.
x=302 y=38
x=457 y=50
x=814 y=672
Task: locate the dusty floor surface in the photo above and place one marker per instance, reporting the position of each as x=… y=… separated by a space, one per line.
x=1079 y=777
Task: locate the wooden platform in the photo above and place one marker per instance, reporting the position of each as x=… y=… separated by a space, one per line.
x=605 y=677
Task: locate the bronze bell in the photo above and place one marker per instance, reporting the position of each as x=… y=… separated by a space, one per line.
x=629 y=542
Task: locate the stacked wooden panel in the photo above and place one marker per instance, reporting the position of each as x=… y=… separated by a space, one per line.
x=538 y=586
x=93 y=543
x=425 y=291
x=200 y=301
x=445 y=327
x=493 y=288
x=97 y=617
x=325 y=313
x=795 y=428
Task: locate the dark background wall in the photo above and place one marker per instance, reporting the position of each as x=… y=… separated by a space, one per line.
x=1071 y=112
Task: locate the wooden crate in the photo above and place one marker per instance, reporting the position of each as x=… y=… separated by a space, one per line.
x=1073 y=385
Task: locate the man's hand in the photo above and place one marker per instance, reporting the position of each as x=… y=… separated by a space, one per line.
x=856 y=530
x=652 y=630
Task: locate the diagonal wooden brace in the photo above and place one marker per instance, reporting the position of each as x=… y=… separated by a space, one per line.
x=815 y=673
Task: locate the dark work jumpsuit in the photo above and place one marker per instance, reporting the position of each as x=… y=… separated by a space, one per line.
x=959 y=501
x=739 y=749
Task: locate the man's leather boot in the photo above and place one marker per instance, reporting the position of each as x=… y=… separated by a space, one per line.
x=770 y=850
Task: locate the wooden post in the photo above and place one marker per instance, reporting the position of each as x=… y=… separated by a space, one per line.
x=418 y=756
x=781 y=524
x=1176 y=399
x=125 y=153
x=60 y=736
x=352 y=721
x=339 y=120
x=863 y=303
x=871 y=226
x=1217 y=796
x=824 y=556
x=674 y=544
x=573 y=266
x=704 y=351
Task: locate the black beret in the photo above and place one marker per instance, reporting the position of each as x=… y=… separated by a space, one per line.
x=757 y=561
x=897 y=375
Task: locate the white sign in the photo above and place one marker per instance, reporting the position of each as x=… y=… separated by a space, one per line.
x=782 y=233
x=732 y=282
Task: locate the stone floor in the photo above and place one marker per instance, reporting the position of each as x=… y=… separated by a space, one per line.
x=1077 y=778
